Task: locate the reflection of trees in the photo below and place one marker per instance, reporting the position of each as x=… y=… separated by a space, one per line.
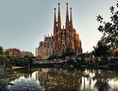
x=102 y=79
x=102 y=85
x=70 y=79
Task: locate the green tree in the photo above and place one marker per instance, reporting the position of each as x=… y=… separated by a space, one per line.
x=69 y=52
x=61 y=56
x=102 y=50
x=110 y=29
x=53 y=57
x=4 y=60
x=1 y=50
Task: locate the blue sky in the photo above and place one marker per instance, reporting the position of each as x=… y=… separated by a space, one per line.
x=23 y=23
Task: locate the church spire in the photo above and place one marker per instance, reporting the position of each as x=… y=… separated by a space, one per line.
x=54 y=20
x=59 y=17
x=67 y=16
x=71 y=21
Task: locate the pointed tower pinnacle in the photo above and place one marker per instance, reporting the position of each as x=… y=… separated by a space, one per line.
x=54 y=20
x=67 y=17
x=55 y=15
x=59 y=17
x=71 y=21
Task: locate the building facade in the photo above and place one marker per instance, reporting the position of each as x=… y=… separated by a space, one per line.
x=65 y=37
x=46 y=47
x=15 y=53
x=26 y=54
x=37 y=52
x=62 y=38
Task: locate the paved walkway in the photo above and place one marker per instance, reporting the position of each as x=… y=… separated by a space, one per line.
x=17 y=67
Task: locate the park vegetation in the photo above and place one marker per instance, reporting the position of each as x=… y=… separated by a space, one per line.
x=9 y=61
x=108 y=45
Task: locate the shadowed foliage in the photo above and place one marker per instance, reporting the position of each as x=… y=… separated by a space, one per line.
x=110 y=29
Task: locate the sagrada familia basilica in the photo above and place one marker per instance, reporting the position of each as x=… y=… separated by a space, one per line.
x=62 y=38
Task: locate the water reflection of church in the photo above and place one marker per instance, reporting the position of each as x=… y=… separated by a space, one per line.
x=76 y=80
x=60 y=80
x=67 y=80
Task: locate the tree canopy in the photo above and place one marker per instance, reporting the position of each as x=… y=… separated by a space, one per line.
x=110 y=29
x=4 y=59
x=53 y=57
x=1 y=50
x=101 y=50
x=69 y=52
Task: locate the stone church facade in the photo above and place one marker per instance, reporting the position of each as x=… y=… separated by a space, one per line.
x=62 y=38
x=65 y=37
x=46 y=47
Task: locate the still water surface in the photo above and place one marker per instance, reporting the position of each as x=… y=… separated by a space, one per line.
x=51 y=79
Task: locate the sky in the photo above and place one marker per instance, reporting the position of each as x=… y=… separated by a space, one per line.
x=23 y=23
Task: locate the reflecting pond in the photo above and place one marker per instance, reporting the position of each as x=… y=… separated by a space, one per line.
x=52 y=79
